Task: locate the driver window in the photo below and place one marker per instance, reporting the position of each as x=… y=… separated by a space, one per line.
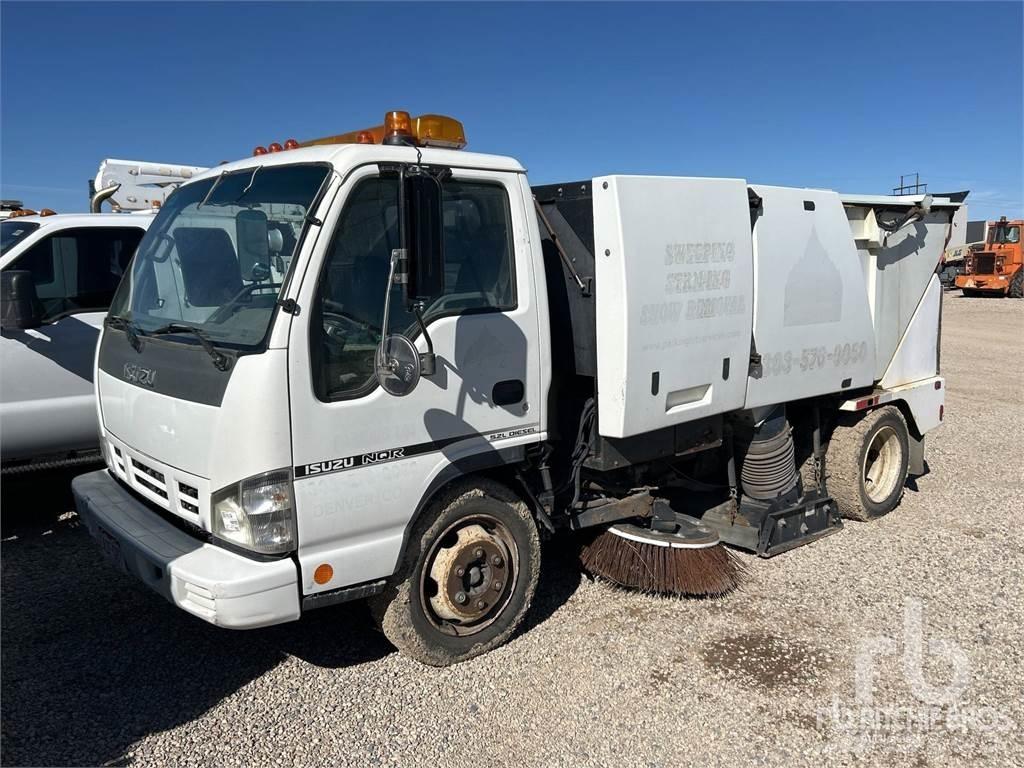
x=479 y=276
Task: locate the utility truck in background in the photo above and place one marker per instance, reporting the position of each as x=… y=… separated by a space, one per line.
x=377 y=366
x=997 y=268
x=58 y=273
x=137 y=185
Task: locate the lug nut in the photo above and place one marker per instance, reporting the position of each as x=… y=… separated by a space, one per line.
x=497 y=586
x=496 y=561
x=478 y=553
x=481 y=604
x=460 y=571
x=460 y=598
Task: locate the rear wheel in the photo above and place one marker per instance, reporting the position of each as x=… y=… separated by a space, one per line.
x=867 y=463
x=467 y=578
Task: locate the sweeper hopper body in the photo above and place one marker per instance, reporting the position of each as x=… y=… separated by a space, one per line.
x=363 y=369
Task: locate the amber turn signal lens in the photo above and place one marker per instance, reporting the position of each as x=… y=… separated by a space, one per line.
x=291 y=144
x=323 y=573
x=276 y=147
x=259 y=151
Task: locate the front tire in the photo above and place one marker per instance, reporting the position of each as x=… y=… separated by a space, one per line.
x=467 y=578
x=1017 y=285
x=867 y=463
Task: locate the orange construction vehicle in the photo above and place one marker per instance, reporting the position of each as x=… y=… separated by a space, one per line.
x=997 y=269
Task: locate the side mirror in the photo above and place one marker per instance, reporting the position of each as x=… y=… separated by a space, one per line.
x=19 y=305
x=425 y=238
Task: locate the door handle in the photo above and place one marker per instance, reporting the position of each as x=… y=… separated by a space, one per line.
x=508 y=392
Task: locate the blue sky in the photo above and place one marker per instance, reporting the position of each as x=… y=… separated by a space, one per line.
x=846 y=96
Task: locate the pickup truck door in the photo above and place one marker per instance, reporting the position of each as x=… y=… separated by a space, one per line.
x=46 y=379
x=364 y=459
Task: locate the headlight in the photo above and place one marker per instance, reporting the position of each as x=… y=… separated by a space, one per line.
x=257 y=513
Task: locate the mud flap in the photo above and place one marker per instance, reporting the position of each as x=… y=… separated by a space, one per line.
x=915 y=457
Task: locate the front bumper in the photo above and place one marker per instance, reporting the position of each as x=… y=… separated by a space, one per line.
x=974 y=282
x=210 y=582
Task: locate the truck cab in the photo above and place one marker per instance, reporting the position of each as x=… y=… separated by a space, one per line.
x=997 y=268
x=59 y=273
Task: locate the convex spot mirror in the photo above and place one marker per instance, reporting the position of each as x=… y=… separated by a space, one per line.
x=424 y=213
x=397 y=365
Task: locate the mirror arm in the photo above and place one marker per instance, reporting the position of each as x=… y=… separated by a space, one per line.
x=397 y=255
x=428 y=361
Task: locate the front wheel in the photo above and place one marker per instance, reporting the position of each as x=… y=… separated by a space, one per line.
x=467 y=578
x=867 y=463
x=1017 y=285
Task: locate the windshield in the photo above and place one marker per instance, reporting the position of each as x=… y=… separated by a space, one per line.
x=13 y=232
x=1003 y=234
x=218 y=252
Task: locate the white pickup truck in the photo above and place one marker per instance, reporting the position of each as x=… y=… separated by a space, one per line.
x=58 y=273
x=57 y=276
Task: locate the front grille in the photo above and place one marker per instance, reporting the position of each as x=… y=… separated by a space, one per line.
x=985 y=264
x=161 y=485
x=146 y=484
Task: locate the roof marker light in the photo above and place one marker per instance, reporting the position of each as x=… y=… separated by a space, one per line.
x=259 y=151
x=291 y=144
x=275 y=147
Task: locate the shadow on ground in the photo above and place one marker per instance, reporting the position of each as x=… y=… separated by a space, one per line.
x=92 y=661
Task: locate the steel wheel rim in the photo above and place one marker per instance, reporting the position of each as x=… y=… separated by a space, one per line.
x=491 y=582
x=883 y=459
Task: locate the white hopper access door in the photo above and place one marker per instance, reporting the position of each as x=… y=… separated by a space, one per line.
x=812 y=320
x=674 y=290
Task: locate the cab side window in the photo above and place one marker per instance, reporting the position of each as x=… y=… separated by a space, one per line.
x=479 y=276
x=79 y=269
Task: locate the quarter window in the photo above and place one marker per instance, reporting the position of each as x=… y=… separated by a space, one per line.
x=479 y=276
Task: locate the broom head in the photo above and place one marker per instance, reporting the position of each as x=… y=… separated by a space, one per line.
x=689 y=562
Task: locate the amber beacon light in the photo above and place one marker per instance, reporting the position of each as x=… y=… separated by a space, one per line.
x=400 y=128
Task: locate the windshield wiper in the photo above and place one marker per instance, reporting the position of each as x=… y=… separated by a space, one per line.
x=220 y=361
x=131 y=330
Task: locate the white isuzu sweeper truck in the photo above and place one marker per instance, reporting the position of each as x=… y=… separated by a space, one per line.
x=376 y=366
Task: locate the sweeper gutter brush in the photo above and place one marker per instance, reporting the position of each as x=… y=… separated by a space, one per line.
x=687 y=562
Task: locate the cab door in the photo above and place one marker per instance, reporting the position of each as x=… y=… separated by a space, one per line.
x=364 y=459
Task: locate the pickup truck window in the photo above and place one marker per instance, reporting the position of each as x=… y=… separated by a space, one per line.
x=479 y=276
x=76 y=270
x=218 y=252
x=13 y=232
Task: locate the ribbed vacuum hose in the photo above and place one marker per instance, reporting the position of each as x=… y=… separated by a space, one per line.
x=769 y=467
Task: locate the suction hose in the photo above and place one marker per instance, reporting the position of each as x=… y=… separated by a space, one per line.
x=769 y=466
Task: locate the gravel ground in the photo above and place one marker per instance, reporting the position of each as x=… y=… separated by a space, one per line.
x=96 y=670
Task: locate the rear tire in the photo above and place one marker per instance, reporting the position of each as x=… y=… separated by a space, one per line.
x=1017 y=285
x=467 y=577
x=867 y=463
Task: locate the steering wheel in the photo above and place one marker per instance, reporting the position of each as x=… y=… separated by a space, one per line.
x=339 y=325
